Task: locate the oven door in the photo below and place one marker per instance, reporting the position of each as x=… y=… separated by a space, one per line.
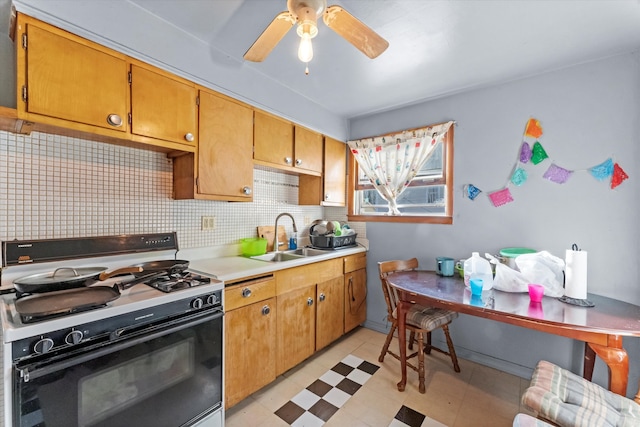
x=161 y=375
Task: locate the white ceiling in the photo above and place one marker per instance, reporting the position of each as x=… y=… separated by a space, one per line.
x=435 y=47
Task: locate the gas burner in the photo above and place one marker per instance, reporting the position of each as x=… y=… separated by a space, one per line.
x=177 y=281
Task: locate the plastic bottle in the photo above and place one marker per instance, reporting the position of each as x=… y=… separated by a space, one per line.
x=293 y=241
x=478 y=267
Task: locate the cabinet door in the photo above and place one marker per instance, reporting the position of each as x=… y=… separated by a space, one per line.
x=296 y=327
x=335 y=172
x=355 y=299
x=308 y=150
x=330 y=312
x=250 y=352
x=69 y=78
x=225 y=163
x=273 y=140
x=163 y=106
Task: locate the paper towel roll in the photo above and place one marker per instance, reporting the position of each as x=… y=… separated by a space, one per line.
x=576 y=274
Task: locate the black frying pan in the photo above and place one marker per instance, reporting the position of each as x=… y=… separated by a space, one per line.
x=77 y=299
x=68 y=278
x=169 y=266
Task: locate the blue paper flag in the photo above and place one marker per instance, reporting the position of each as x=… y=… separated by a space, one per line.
x=602 y=171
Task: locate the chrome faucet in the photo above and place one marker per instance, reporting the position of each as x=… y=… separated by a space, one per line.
x=275 y=234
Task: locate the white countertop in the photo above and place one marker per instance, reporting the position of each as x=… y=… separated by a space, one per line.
x=228 y=268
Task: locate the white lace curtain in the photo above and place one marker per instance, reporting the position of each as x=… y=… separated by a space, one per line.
x=392 y=161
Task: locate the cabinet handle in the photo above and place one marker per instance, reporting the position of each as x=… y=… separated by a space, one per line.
x=246 y=190
x=114 y=120
x=266 y=310
x=309 y=301
x=322 y=297
x=189 y=137
x=246 y=293
x=287 y=160
x=298 y=162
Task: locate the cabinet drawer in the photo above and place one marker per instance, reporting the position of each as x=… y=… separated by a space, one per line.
x=299 y=277
x=249 y=291
x=355 y=262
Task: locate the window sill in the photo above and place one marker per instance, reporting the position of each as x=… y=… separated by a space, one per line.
x=402 y=218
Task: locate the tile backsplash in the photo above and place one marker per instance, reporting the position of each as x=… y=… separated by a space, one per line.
x=56 y=187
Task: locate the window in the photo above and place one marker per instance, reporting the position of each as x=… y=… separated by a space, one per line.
x=427 y=199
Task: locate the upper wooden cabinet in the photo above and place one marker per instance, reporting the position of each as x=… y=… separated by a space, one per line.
x=71 y=86
x=279 y=144
x=335 y=173
x=307 y=150
x=273 y=140
x=330 y=188
x=61 y=76
x=163 y=106
x=223 y=162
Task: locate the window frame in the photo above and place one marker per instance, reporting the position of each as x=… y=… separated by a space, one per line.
x=447 y=180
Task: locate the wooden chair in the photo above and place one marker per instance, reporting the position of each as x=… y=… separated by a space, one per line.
x=420 y=321
x=564 y=399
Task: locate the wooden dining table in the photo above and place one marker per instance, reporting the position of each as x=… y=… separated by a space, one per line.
x=601 y=327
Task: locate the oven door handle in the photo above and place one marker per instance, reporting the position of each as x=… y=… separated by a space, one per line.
x=35 y=370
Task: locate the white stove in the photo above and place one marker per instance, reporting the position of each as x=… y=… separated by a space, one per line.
x=33 y=347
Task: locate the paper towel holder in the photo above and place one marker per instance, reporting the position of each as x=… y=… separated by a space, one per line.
x=576 y=301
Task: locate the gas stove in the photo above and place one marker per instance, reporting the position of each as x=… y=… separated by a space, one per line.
x=148 y=328
x=26 y=258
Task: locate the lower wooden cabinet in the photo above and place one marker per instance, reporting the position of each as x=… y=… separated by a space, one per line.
x=329 y=312
x=316 y=304
x=296 y=327
x=355 y=291
x=250 y=338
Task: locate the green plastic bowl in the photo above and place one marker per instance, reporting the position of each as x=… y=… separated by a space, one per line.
x=253 y=246
x=514 y=252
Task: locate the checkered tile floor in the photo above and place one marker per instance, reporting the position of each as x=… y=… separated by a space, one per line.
x=314 y=405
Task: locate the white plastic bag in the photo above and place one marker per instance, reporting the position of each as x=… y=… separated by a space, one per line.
x=507 y=279
x=539 y=267
x=544 y=269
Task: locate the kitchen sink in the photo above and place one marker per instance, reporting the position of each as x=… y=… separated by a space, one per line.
x=289 y=255
x=305 y=252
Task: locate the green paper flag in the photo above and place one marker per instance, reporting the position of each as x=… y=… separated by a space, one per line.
x=538 y=153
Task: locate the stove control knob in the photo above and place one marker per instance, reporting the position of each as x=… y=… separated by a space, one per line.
x=43 y=345
x=197 y=303
x=212 y=299
x=73 y=337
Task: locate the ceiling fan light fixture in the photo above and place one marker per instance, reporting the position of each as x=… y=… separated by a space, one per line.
x=305 y=50
x=307 y=29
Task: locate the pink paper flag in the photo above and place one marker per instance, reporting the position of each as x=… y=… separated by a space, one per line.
x=501 y=197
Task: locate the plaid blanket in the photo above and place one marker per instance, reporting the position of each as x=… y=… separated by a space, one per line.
x=567 y=399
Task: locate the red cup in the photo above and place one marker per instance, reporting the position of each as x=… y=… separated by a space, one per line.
x=536 y=292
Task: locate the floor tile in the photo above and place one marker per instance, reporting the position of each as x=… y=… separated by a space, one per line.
x=319 y=388
x=409 y=417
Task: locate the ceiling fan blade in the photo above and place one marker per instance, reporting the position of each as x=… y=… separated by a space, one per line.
x=355 y=32
x=270 y=37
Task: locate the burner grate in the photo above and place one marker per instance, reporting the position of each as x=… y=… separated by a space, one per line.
x=177 y=281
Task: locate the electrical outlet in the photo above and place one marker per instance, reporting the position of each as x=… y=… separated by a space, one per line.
x=208 y=223
x=307 y=220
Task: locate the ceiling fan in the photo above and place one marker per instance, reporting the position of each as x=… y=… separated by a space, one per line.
x=305 y=13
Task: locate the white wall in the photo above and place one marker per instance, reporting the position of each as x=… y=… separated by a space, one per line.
x=589 y=113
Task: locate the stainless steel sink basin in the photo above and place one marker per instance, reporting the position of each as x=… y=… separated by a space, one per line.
x=278 y=257
x=289 y=255
x=305 y=252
